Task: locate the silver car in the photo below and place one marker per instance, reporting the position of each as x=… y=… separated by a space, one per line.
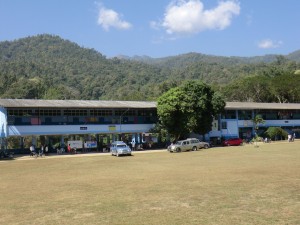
x=190 y=144
x=118 y=148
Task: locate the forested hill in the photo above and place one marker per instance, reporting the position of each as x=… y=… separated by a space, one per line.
x=185 y=59
x=49 y=67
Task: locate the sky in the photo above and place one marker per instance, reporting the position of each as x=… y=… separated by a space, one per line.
x=159 y=28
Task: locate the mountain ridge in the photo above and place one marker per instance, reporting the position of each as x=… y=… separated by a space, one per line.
x=49 y=67
x=268 y=58
x=295 y=55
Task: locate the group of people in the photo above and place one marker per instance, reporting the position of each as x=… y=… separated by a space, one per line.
x=135 y=146
x=42 y=151
x=71 y=150
x=291 y=137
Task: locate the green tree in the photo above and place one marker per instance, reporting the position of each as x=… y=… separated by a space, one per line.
x=286 y=87
x=274 y=132
x=189 y=108
x=25 y=88
x=256 y=121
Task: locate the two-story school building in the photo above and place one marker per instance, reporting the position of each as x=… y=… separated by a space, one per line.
x=106 y=121
x=236 y=121
x=97 y=120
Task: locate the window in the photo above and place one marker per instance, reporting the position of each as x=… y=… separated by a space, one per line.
x=75 y=112
x=125 y=112
x=245 y=114
x=101 y=112
x=20 y=112
x=146 y=112
x=229 y=114
x=49 y=112
x=224 y=125
x=267 y=114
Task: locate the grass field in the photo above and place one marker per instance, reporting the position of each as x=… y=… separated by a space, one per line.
x=230 y=185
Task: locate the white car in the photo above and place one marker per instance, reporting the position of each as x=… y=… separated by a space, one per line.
x=118 y=148
x=190 y=144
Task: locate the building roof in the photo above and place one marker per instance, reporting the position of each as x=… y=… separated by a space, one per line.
x=256 y=105
x=38 y=103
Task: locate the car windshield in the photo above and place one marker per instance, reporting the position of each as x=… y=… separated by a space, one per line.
x=121 y=146
x=178 y=143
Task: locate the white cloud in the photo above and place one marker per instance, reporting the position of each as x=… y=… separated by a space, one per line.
x=268 y=43
x=109 y=18
x=185 y=17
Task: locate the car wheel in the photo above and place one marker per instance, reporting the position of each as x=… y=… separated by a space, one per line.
x=194 y=148
x=178 y=150
x=206 y=146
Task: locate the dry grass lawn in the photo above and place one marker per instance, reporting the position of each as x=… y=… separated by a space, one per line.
x=225 y=186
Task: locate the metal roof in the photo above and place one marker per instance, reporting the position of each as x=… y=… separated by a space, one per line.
x=38 y=103
x=256 y=105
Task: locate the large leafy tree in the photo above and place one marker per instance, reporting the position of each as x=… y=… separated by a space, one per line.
x=252 y=88
x=274 y=132
x=189 y=108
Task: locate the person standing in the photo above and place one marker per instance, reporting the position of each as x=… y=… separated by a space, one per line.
x=69 y=148
x=294 y=136
x=32 y=150
x=46 y=150
x=42 y=150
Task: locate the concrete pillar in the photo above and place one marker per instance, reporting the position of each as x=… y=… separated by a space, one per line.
x=62 y=141
x=108 y=139
x=34 y=141
x=22 y=143
x=99 y=141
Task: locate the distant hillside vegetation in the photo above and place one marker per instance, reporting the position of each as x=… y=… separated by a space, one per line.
x=49 y=67
x=183 y=59
x=294 y=56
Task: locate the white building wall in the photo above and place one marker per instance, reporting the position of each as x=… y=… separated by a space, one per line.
x=77 y=129
x=214 y=133
x=234 y=125
x=270 y=123
x=281 y=123
x=245 y=123
x=232 y=129
x=3 y=122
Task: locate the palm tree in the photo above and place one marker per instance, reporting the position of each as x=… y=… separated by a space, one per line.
x=256 y=121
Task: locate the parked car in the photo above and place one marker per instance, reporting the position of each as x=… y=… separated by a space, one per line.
x=233 y=142
x=118 y=148
x=190 y=144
